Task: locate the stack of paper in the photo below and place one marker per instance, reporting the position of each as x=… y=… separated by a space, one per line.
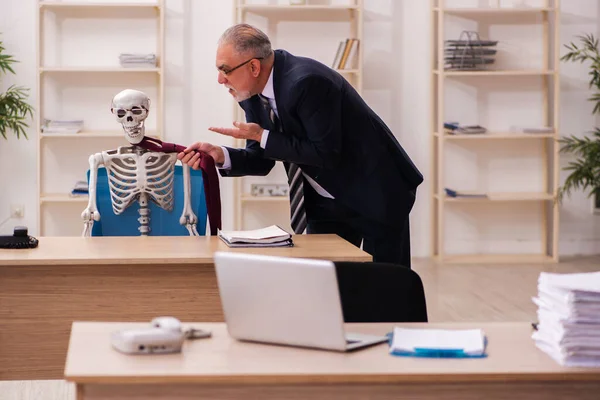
x=272 y=236
x=62 y=126
x=446 y=343
x=137 y=60
x=569 y=317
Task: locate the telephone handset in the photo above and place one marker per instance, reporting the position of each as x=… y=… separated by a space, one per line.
x=19 y=239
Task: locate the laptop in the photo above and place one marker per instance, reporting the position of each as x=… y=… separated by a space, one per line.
x=285 y=301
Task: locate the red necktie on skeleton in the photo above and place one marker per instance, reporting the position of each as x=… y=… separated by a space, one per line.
x=295 y=180
x=210 y=179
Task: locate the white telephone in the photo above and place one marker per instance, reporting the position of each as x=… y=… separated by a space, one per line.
x=165 y=335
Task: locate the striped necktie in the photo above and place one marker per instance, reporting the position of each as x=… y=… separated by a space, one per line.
x=295 y=180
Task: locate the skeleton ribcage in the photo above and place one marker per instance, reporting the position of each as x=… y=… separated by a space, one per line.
x=129 y=175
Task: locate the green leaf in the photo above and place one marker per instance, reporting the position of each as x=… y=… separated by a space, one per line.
x=14 y=109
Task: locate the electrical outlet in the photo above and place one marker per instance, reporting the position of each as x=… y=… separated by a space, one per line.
x=17 y=211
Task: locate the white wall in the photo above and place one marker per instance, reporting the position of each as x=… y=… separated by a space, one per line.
x=396 y=85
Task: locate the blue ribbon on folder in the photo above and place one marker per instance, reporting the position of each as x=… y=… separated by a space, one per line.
x=435 y=352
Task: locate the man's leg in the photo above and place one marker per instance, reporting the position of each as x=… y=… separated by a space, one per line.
x=388 y=244
x=324 y=215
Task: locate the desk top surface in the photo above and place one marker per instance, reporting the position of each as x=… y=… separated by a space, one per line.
x=168 y=250
x=512 y=356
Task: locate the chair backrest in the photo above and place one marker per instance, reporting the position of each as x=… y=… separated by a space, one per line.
x=380 y=292
x=162 y=222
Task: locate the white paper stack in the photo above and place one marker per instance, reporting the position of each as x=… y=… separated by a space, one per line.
x=569 y=318
x=137 y=60
x=62 y=126
x=271 y=236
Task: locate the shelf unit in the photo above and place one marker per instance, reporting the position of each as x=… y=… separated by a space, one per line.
x=68 y=153
x=351 y=13
x=547 y=17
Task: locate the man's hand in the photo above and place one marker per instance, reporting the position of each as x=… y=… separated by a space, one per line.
x=191 y=155
x=242 y=130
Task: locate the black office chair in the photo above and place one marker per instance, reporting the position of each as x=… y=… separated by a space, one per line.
x=380 y=292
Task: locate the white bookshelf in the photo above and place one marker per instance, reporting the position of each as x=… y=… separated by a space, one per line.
x=253 y=211
x=78 y=73
x=546 y=17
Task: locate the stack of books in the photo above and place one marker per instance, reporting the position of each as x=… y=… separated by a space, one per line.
x=271 y=236
x=568 y=328
x=62 y=126
x=346 y=56
x=80 y=188
x=137 y=60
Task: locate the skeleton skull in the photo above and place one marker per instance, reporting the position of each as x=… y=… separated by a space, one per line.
x=131 y=108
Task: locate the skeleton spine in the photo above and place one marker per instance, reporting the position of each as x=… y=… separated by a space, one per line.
x=144 y=211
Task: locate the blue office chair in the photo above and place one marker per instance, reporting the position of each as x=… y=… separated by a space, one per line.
x=162 y=222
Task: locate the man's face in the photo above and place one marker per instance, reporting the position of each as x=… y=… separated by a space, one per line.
x=236 y=72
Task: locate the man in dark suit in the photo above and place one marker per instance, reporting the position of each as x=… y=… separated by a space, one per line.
x=348 y=174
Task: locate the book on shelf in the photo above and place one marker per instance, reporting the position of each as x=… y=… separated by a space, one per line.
x=271 y=236
x=531 y=129
x=137 y=60
x=62 y=126
x=453 y=128
x=456 y=193
x=80 y=188
x=346 y=55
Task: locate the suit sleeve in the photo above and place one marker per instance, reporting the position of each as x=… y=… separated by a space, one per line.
x=251 y=160
x=317 y=103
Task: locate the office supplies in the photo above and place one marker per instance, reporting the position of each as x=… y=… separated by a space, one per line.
x=569 y=318
x=456 y=193
x=18 y=240
x=438 y=343
x=284 y=300
x=271 y=236
x=164 y=335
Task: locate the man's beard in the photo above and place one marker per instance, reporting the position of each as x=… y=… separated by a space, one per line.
x=239 y=96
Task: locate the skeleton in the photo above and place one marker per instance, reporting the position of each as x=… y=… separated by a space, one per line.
x=135 y=173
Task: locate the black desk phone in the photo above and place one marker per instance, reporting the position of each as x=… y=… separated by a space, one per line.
x=19 y=240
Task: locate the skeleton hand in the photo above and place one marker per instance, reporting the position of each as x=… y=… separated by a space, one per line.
x=191 y=155
x=89 y=215
x=189 y=220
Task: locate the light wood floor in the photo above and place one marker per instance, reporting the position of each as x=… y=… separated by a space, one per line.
x=454 y=293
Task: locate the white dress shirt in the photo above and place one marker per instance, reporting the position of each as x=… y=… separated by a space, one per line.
x=269 y=93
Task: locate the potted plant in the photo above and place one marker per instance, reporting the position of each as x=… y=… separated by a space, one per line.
x=14 y=108
x=585 y=169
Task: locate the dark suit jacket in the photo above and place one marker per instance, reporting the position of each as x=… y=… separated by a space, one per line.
x=335 y=137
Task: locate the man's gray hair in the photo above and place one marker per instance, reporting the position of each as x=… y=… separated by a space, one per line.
x=247 y=39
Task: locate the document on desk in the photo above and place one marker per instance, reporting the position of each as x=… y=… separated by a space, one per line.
x=569 y=318
x=271 y=236
x=438 y=343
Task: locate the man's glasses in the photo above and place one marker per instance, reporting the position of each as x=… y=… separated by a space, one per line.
x=226 y=72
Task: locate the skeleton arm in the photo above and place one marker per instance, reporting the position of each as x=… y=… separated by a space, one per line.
x=188 y=218
x=91 y=214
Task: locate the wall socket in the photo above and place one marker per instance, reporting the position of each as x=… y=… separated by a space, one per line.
x=17 y=210
x=266 y=189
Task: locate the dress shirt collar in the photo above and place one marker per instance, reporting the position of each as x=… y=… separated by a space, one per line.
x=268 y=91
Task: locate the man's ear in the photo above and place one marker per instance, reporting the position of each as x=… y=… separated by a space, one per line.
x=255 y=67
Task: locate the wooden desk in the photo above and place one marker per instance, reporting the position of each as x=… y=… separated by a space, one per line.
x=222 y=368
x=66 y=279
